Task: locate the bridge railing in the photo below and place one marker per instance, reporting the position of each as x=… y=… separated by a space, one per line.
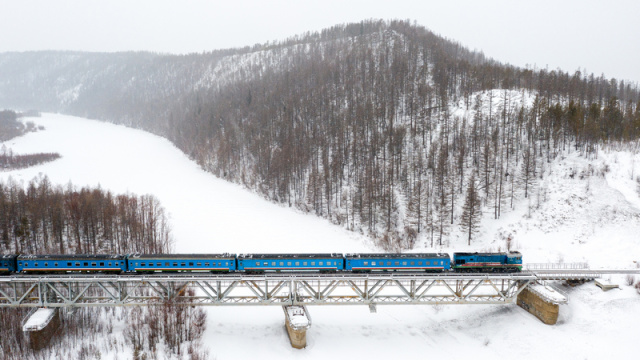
x=557 y=266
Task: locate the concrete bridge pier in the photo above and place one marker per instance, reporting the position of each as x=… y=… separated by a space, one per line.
x=40 y=325
x=542 y=301
x=297 y=321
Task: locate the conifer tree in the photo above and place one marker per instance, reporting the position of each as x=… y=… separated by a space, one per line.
x=471 y=212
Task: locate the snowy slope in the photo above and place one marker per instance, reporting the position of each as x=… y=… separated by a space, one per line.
x=594 y=218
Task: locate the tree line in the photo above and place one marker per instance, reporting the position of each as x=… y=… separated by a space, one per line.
x=43 y=218
x=11 y=161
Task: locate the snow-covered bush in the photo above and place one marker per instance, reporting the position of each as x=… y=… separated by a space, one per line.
x=630 y=280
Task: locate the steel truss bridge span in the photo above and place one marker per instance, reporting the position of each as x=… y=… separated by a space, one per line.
x=84 y=290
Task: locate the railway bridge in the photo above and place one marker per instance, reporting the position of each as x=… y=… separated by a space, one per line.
x=292 y=290
x=280 y=289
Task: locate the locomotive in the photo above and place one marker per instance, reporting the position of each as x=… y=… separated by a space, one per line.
x=261 y=263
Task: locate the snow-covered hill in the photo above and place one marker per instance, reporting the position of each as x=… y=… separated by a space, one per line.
x=582 y=210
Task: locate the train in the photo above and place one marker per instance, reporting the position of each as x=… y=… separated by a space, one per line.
x=261 y=263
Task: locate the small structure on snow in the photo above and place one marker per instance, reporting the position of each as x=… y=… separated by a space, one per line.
x=606 y=285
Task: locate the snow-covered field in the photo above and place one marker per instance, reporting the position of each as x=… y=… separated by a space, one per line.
x=587 y=210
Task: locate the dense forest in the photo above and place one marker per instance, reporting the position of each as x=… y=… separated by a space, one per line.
x=46 y=219
x=383 y=127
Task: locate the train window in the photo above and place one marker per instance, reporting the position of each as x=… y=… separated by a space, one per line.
x=77 y=264
x=207 y=264
x=304 y=263
x=20 y=263
x=297 y=263
x=273 y=263
x=419 y=262
x=219 y=264
x=93 y=264
x=190 y=264
x=101 y=264
x=281 y=263
x=313 y=263
x=143 y=264
x=288 y=263
x=199 y=264
x=397 y=263
x=373 y=263
x=388 y=263
x=182 y=264
x=321 y=263
x=46 y=263
x=55 y=264
x=166 y=264
x=86 y=264
x=404 y=263
x=413 y=263
x=36 y=264
x=175 y=264
x=366 y=263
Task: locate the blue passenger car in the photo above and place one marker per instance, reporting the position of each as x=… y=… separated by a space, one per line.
x=397 y=262
x=495 y=262
x=7 y=264
x=290 y=262
x=71 y=263
x=181 y=262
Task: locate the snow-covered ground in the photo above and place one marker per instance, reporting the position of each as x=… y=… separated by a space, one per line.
x=589 y=210
x=208 y=214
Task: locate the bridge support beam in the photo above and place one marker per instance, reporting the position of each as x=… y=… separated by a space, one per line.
x=297 y=321
x=544 y=310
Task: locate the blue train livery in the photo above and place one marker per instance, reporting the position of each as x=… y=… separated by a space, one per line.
x=397 y=262
x=261 y=263
x=71 y=263
x=290 y=262
x=181 y=262
x=8 y=264
x=497 y=262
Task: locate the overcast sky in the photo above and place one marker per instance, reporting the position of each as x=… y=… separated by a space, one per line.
x=599 y=36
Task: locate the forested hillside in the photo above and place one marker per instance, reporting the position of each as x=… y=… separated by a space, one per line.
x=384 y=127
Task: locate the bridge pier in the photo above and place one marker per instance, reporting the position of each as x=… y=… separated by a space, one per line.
x=542 y=302
x=297 y=321
x=41 y=325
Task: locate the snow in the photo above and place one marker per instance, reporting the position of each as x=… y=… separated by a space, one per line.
x=592 y=218
x=549 y=293
x=38 y=320
x=297 y=317
x=208 y=214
